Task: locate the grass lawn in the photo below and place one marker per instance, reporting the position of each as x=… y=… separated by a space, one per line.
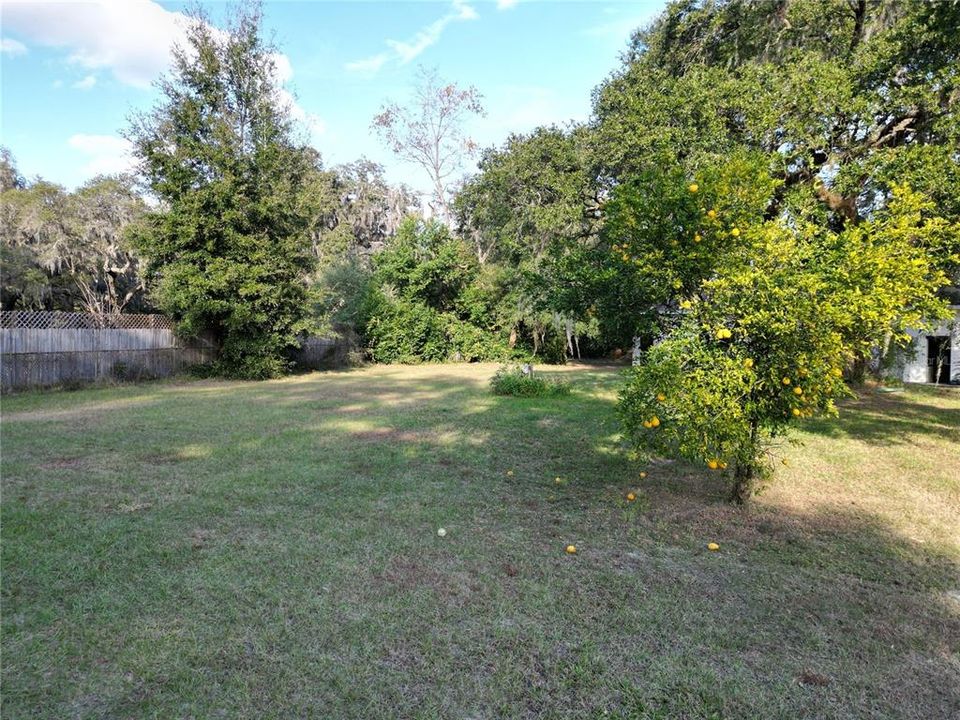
x=246 y=550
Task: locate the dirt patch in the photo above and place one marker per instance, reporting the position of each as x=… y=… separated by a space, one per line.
x=64 y=464
x=385 y=435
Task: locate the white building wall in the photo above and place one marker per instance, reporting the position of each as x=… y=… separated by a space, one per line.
x=915 y=366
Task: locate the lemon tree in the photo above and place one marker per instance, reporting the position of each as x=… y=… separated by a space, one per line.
x=762 y=343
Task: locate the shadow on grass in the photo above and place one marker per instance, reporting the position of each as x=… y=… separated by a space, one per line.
x=883 y=418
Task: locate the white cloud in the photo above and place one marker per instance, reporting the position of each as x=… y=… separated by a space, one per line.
x=505 y=4
x=11 y=47
x=131 y=38
x=106 y=154
x=88 y=82
x=368 y=65
x=405 y=51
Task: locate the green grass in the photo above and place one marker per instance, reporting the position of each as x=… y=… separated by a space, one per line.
x=244 y=550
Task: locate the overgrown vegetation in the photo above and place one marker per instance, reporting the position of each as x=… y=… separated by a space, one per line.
x=514 y=380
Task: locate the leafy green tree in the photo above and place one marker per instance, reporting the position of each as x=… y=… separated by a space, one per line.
x=428 y=300
x=229 y=250
x=71 y=251
x=761 y=343
x=842 y=97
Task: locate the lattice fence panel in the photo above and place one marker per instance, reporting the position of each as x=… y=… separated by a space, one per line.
x=42 y=320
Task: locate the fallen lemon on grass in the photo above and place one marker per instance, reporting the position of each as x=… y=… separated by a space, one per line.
x=661 y=397
x=735 y=232
x=631 y=497
x=713 y=547
x=693 y=187
x=786 y=381
x=713 y=464
x=798 y=390
x=571 y=549
x=642 y=475
x=697 y=238
x=796 y=412
x=646 y=424
x=654 y=421
x=711 y=213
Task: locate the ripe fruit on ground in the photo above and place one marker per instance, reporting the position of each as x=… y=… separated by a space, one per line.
x=654 y=421
x=798 y=390
x=642 y=475
x=735 y=232
x=713 y=464
x=712 y=547
x=796 y=412
x=697 y=238
x=661 y=397
x=711 y=213
x=571 y=549
x=631 y=497
x=786 y=381
x=693 y=187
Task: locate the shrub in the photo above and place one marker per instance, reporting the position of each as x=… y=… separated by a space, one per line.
x=511 y=380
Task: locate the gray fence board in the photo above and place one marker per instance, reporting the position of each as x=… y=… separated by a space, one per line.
x=42 y=355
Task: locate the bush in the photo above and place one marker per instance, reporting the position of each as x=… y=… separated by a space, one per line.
x=511 y=380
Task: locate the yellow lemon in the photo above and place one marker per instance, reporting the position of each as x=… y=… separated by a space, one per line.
x=654 y=421
x=748 y=363
x=796 y=412
x=571 y=549
x=713 y=464
x=711 y=213
x=557 y=480
x=735 y=232
x=798 y=390
x=713 y=547
x=697 y=238
x=642 y=475
x=786 y=381
x=693 y=187
x=631 y=497
x=661 y=397
x=646 y=423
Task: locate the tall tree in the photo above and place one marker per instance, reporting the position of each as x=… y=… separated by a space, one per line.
x=431 y=132
x=229 y=250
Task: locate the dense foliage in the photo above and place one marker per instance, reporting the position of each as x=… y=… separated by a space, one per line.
x=767 y=185
x=230 y=249
x=426 y=300
x=69 y=251
x=512 y=380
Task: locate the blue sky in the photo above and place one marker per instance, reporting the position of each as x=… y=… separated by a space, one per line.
x=72 y=72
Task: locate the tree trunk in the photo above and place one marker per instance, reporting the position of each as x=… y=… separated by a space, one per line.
x=743 y=480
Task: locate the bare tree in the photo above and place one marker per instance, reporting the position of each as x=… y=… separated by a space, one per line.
x=431 y=131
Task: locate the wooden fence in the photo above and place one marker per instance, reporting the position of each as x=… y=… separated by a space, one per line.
x=39 y=349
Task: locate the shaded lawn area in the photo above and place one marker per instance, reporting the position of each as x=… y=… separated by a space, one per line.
x=226 y=549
